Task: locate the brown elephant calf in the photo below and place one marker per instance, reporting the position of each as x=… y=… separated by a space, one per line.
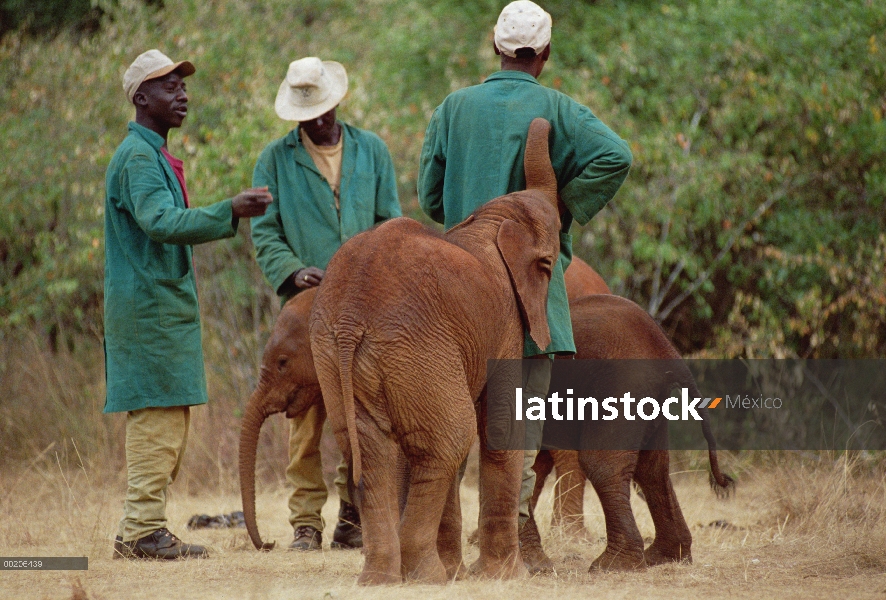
x=401 y=332
x=608 y=327
x=288 y=382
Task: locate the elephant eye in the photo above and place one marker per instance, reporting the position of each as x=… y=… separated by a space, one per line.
x=546 y=264
x=281 y=362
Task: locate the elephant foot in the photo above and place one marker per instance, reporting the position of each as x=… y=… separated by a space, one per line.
x=655 y=555
x=453 y=564
x=372 y=577
x=428 y=569
x=618 y=561
x=534 y=557
x=510 y=568
x=451 y=557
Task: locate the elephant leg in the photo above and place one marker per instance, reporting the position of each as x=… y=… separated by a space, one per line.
x=610 y=473
x=569 y=493
x=403 y=474
x=673 y=541
x=378 y=505
x=449 y=534
x=544 y=464
x=431 y=507
x=501 y=475
x=420 y=561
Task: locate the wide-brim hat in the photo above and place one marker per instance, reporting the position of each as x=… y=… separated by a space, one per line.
x=312 y=87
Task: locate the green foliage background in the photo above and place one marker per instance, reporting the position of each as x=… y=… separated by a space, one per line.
x=751 y=224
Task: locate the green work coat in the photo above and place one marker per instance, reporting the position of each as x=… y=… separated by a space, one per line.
x=473 y=152
x=153 y=351
x=302 y=227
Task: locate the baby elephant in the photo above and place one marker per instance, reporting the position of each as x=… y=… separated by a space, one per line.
x=611 y=327
x=402 y=365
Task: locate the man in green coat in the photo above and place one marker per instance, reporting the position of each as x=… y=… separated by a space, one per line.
x=153 y=353
x=473 y=152
x=330 y=181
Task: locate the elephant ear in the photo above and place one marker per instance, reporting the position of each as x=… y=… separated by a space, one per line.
x=530 y=282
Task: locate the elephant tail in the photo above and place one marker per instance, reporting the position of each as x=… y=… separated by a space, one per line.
x=537 y=160
x=347 y=348
x=723 y=485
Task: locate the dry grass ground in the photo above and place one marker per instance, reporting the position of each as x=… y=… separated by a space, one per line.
x=794 y=530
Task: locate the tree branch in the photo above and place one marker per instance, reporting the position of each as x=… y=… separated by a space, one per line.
x=706 y=274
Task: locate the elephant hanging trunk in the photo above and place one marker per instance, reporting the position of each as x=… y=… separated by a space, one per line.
x=253 y=419
x=537 y=161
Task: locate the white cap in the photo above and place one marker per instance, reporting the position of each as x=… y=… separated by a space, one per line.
x=522 y=24
x=151 y=65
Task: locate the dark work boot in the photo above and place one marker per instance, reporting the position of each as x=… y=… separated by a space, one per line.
x=534 y=557
x=160 y=544
x=122 y=549
x=307 y=538
x=348 y=534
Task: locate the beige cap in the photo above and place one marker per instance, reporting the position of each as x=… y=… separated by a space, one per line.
x=522 y=24
x=311 y=88
x=151 y=65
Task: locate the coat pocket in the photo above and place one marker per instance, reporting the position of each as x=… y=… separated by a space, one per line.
x=176 y=301
x=360 y=195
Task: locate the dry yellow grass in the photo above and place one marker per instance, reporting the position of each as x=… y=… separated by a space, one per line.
x=794 y=530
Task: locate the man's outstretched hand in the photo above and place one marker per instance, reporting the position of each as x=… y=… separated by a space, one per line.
x=251 y=203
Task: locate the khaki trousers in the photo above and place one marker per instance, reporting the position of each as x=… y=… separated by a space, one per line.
x=155 y=443
x=536 y=381
x=305 y=471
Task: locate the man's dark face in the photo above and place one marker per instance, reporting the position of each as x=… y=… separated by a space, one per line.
x=164 y=100
x=321 y=129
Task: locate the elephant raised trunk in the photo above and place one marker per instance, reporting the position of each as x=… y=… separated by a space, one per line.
x=537 y=161
x=253 y=418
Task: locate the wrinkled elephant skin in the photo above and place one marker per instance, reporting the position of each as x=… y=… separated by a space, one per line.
x=401 y=331
x=600 y=323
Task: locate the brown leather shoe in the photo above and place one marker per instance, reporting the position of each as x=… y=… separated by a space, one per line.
x=347 y=534
x=160 y=544
x=534 y=557
x=307 y=538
